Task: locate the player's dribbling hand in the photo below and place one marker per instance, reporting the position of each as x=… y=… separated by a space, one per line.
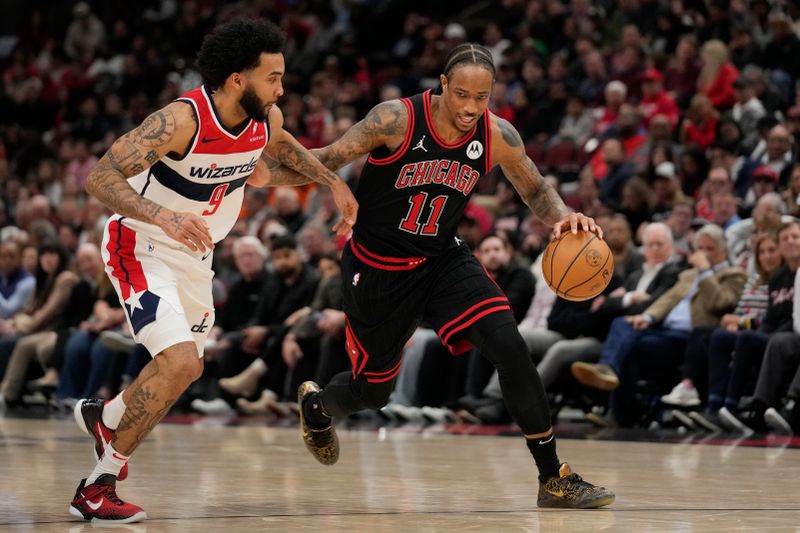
x=575 y=221
x=188 y=229
x=348 y=207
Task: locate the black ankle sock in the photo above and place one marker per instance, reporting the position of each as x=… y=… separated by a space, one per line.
x=544 y=453
x=314 y=412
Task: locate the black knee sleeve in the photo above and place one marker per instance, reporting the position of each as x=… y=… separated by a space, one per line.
x=522 y=387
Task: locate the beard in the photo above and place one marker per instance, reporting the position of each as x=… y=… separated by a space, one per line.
x=253 y=105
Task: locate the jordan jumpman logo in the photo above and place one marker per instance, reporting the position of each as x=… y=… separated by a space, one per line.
x=419 y=145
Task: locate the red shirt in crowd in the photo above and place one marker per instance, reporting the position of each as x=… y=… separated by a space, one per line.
x=702 y=134
x=660 y=104
x=720 y=91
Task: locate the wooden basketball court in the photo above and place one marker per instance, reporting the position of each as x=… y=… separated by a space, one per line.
x=208 y=477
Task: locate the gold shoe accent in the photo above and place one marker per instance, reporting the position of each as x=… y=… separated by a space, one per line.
x=322 y=443
x=570 y=491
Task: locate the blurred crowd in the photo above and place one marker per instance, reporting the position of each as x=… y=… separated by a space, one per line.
x=674 y=123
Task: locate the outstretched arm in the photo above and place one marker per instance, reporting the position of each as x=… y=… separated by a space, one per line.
x=508 y=151
x=286 y=150
x=384 y=125
x=167 y=130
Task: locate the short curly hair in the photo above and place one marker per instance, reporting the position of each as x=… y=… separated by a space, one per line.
x=236 y=46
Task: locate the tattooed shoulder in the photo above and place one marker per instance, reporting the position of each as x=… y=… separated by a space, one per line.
x=157 y=129
x=509 y=133
x=387 y=118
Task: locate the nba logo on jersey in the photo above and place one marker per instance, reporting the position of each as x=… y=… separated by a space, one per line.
x=474 y=150
x=356 y=278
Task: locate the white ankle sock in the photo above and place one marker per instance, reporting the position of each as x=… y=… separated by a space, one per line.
x=111 y=463
x=113 y=411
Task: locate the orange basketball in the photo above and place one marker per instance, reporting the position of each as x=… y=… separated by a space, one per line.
x=577 y=267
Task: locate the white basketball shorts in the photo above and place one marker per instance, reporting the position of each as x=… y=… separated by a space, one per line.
x=165 y=291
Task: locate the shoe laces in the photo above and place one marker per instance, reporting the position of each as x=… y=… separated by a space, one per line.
x=573 y=478
x=111 y=494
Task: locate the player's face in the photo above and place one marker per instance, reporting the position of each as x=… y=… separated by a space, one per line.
x=263 y=86
x=465 y=95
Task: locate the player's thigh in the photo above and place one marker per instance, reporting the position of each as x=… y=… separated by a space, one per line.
x=147 y=286
x=466 y=305
x=195 y=292
x=382 y=309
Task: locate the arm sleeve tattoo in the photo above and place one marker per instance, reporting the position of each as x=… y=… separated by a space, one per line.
x=384 y=121
x=131 y=154
x=540 y=197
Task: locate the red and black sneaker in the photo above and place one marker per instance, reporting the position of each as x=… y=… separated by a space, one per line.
x=89 y=417
x=100 y=504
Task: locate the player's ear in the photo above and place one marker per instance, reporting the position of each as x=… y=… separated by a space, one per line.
x=443 y=81
x=237 y=81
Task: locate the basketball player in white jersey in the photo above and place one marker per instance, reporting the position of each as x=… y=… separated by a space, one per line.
x=176 y=185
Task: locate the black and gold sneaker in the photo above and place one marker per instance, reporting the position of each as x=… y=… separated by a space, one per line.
x=569 y=490
x=322 y=443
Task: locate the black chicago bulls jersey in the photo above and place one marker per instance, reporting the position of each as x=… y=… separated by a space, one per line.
x=411 y=200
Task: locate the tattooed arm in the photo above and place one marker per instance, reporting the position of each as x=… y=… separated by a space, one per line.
x=508 y=151
x=168 y=130
x=286 y=150
x=384 y=125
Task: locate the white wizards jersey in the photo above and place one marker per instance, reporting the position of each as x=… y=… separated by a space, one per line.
x=209 y=180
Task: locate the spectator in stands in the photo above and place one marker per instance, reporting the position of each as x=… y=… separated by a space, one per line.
x=723 y=210
x=577 y=125
x=747 y=110
x=749 y=350
x=615 y=95
x=777 y=154
x=666 y=189
x=700 y=126
x=768 y=214
x=791 y=196
x=656 y=338
x=713 y=362
x=17 y=286
x=655 y=100
x=718 y=182
x=619 y=171
x=86 y=34
x=312 y=349
x=290 y=287
x=679 y=221
x=642 y=287
x=781 y=360
x=717 y=75
x=619 y=239
x=31 y=333
x=680 y=76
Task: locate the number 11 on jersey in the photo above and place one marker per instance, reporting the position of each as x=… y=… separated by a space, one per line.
x=411 y=223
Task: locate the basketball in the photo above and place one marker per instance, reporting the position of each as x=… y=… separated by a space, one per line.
x=577 y=266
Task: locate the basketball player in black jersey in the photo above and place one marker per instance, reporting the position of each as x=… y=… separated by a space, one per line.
x=404 y=262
